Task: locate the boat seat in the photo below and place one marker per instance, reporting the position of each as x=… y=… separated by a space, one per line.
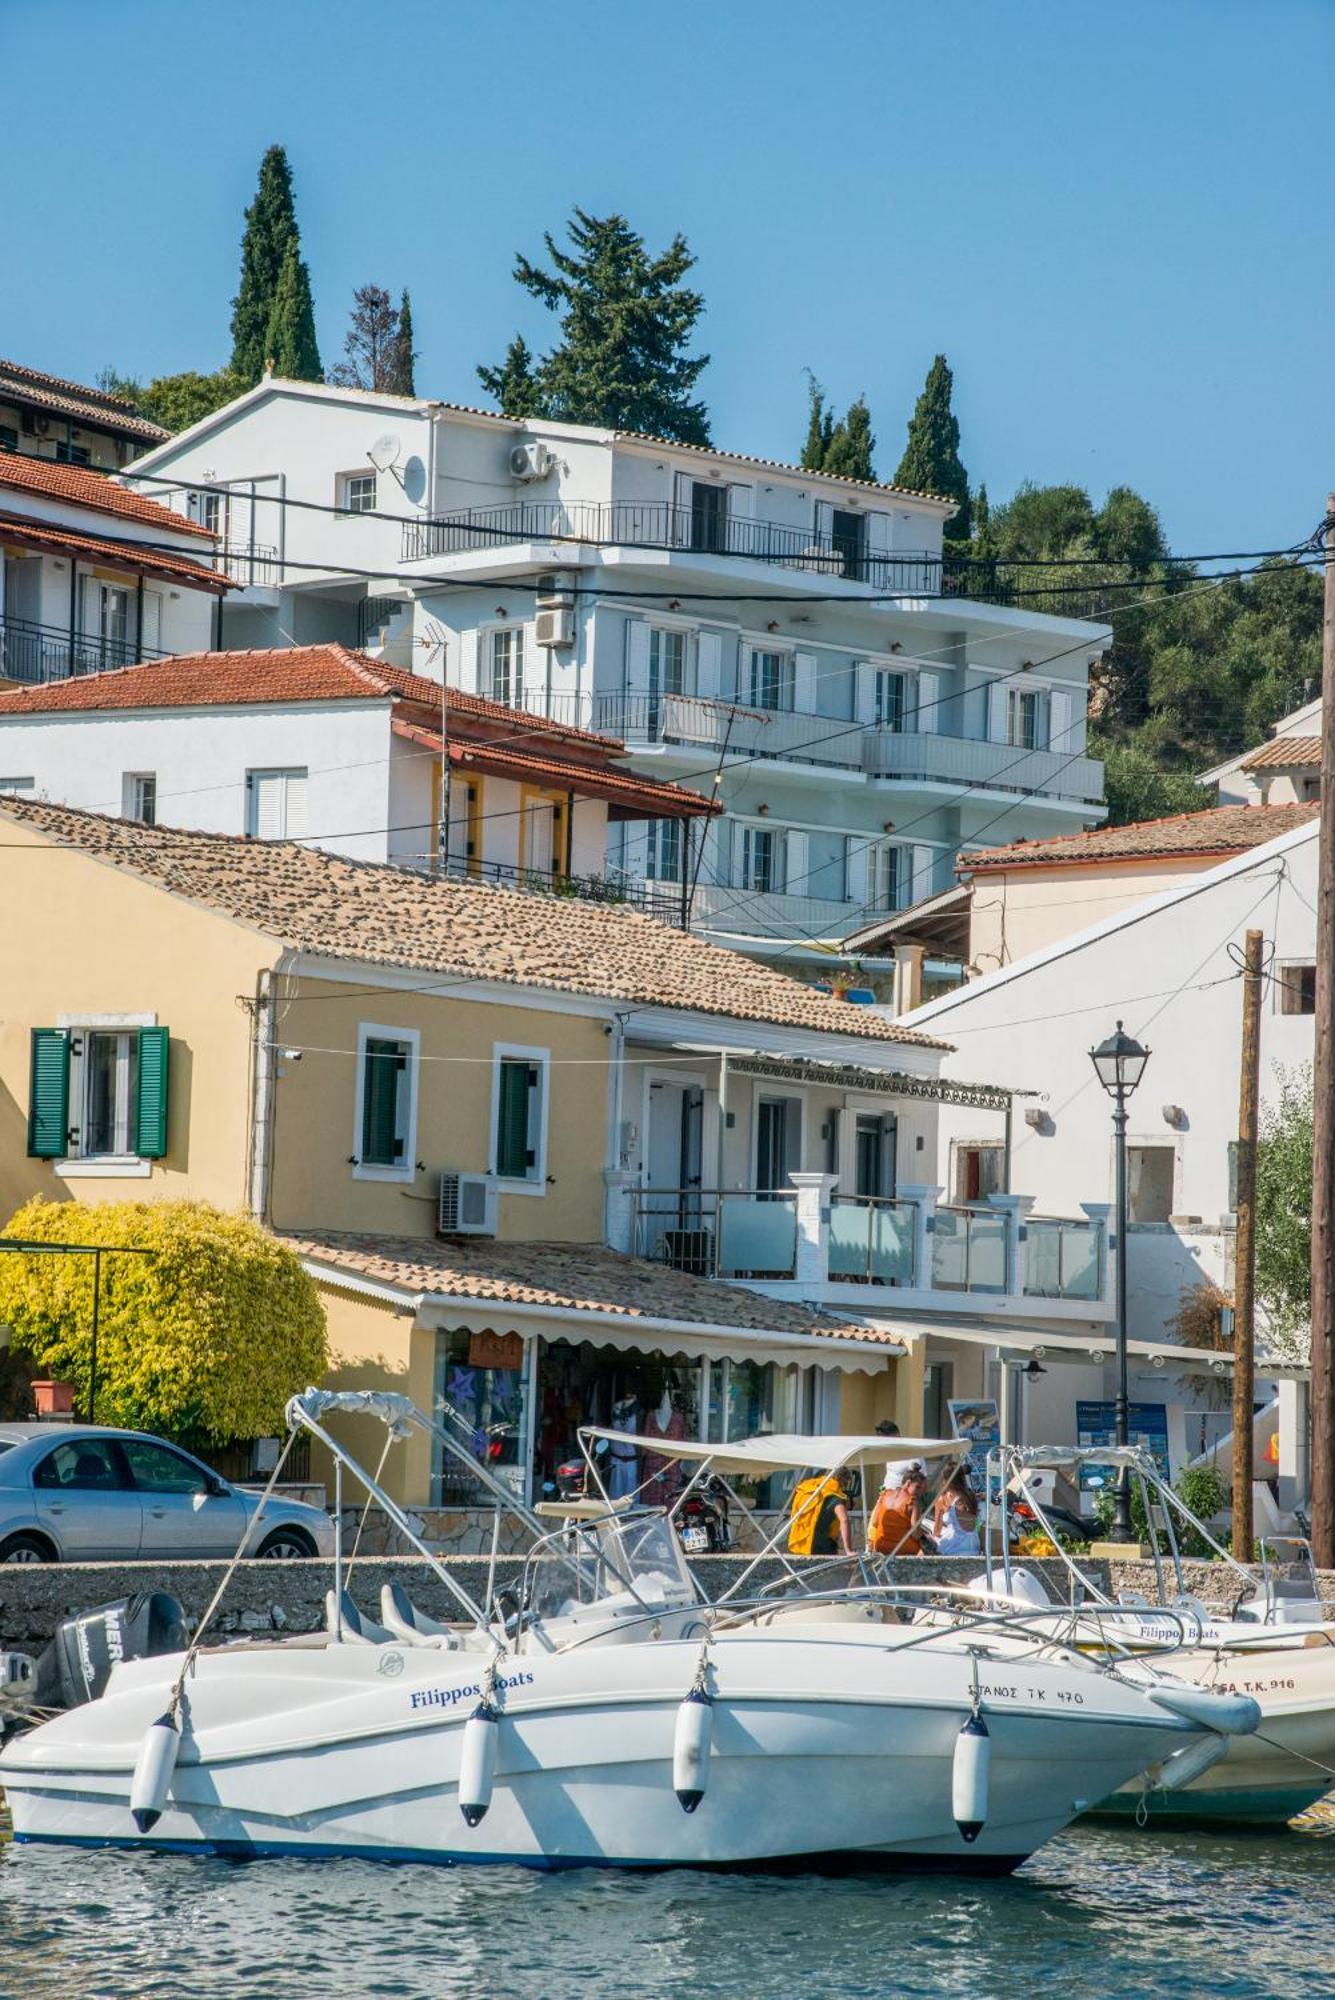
x=406 y=1622
x=358 y=1630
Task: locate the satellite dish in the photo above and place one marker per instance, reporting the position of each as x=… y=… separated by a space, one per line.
x=385 y=452
x=414 y=478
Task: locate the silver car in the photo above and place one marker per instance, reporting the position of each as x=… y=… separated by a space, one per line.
x=82 y=1493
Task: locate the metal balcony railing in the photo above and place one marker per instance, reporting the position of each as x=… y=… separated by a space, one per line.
x=719 y=1233
x=658 y=525
x=250 y=563
x=34 y=653
x=664 y=900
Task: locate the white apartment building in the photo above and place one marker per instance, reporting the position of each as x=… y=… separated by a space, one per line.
x=749 y=628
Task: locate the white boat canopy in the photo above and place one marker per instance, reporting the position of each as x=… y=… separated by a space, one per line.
x=758 y=1456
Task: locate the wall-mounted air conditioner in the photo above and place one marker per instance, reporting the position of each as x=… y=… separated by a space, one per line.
x=531 y=461
x=555 y=628
x=555 y=588
x=467 y=1205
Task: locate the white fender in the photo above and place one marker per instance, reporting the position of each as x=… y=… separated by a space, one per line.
x=1203 y=1708
x=1186 y=1765
x=690 y=1748
x=477 y=1762
x=153 y=1772
x=968 y=1777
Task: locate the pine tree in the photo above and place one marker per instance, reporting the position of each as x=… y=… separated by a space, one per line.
x=403 y=367
x=931 y=461
x=820 y=428
x=271 y=229
x=513 y=386
x=289 y=343
x=625 y=320
x=848 y=454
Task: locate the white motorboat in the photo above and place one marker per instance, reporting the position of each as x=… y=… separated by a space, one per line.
x=723 y=1735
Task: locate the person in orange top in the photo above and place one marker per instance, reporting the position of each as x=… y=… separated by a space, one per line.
x=896 y=1527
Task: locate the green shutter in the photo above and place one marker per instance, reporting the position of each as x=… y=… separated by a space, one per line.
x=150 y=1098
x=49 y=1094
x=382 y=1144
x=512 y=1149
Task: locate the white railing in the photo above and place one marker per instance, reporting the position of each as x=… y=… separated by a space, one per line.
x=888 y=753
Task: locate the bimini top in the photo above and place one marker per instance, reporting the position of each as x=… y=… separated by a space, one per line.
x=787 y=1452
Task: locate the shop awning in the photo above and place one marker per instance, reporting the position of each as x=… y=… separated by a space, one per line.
x=864 y=1078
x=1097 y=1346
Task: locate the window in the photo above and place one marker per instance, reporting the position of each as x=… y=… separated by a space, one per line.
x=1023 y=718
x=874 y=1140
x=980 y=1170
x=357 y=493
x=1149 y=1182
x=778 y=1142
x=83 y=1465
x=758 y=863
x=709 y=517
x=98 y=1092
x=17 y=784
x=886 y=874
x=519 y=1117
x=206 y=508
x=156 y=1469
x=665 y=851
x=275 y=804
x=848 y=536
x=1310 y=789
x=111 y=610
x=771 y=679
x=139 y=796
x=73 y=454
x=384 y=1143
x=889 y=689
x=9 y=438
x=1297 y=988
x=505 y=666
x=667 y=662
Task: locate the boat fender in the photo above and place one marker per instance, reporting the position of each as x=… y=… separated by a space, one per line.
x=477 y=1762
x=690 y=1748
x=968 y=1777
x=153 y=1772
x=1186 y=1765
x=1204 y=1708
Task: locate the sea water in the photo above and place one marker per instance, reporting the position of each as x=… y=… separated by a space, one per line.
x=1102 y=1913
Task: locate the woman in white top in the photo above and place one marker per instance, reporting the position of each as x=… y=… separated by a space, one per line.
x=955 y=1518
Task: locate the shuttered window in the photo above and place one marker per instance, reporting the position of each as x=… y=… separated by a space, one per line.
x=99 y=1094
x=384 y=1075
x=275 y=804
x=519 y=1141
x=150 y=1109
x=49 y=1094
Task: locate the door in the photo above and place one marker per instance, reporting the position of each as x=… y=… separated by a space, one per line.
x=672 y=1165
x=83 y=1498
x=874 y=1162
x=778 y=1142
x=183 y=1512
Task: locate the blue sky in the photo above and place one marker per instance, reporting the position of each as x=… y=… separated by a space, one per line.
x=1113 y=220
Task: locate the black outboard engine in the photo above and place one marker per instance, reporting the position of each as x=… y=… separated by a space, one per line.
x=77 y=1665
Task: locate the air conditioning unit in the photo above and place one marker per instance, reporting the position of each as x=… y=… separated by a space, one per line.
x=35 y=424
x=555 y=628
x=531 y=461
x=467 y=1205
x=555 y=588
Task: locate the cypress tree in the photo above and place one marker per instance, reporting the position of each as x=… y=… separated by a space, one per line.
x=289 y=342
x=403 y=362
x=271 y=228
x=931 y=461
x=848 y=454
x=513 y=386
x=820 y=428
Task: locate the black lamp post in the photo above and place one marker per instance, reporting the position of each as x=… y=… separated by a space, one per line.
x=1119 y=1063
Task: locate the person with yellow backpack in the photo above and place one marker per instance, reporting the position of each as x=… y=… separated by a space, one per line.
x=818 y=1522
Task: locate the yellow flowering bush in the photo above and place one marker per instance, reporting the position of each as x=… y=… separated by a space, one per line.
x=204 y=1341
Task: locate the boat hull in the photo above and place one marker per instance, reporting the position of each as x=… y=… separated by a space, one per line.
x=827 y=1746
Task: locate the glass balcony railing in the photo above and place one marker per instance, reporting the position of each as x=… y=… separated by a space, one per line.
x=969 y=1250
x=871 y=1241
x=1062 y=1259
x=733 y=1233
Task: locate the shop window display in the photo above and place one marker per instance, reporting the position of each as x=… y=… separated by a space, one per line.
x=484 y=1403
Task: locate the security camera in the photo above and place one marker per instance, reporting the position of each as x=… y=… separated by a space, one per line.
x=291 y=1055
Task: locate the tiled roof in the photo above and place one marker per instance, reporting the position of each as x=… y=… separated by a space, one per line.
x=76 y=400
x=583 y=1277
x=85 y=488
x=29 y=532
x=324 y=905
x=1219 y=830
x=644 y=796
x=1286 y=753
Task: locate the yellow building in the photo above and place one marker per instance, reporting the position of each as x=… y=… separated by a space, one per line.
x=466 y=1108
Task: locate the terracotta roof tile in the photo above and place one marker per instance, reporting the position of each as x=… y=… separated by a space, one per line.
x=571 y=1276
x=1286 y=753
x=1217 y=830
x=320 y=903
x=83 y=487
x=31 y=533
x=650 y=795
x=75 y=399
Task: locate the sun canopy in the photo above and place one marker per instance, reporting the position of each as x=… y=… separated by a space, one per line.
x=759 y=1456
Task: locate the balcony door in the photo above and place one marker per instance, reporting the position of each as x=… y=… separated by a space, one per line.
x=709 y=517
x=778 y=1142
x=672 y=1175
x=848 y=536
x=874 y=1156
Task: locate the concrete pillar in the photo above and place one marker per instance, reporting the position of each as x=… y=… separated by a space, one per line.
x=1014 y=1207
x=924 y=1199
x=908 y=977
x=1295 y=1434
x=813 y=1226
x=1099 y=1212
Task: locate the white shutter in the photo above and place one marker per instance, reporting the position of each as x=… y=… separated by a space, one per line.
x=857 y=871
x=929 y=703
x=91 y=625
x=266 y=805
x=740 y=836
x=878 y=534
x=637 y=660
x=1061 y=734
x=824 y=520
x=681 y=500
x=804 y=683
x=464 y=649
x=998 y=693
x=924 y=862
x=865 y=679
x=150 y=639
x=797 y=864
x=745 y=654
x=708 y=666
x=741 y=503
x=635 y=850
x=295 y=821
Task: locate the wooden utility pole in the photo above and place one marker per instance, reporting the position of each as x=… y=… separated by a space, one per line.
x=1244 y=1283
x=1323 y=1121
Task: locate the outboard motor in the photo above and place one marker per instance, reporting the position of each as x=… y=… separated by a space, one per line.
x=77 y=1664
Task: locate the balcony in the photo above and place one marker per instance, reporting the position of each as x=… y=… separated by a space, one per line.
x=654 y=525
x=757 y=913
x=253 y=565
x=35 y=654
x=664 y=900
x=700 y=724
x=887 y=753
x=989 y=1257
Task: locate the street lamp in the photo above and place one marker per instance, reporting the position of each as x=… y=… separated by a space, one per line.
x=1119 y=1063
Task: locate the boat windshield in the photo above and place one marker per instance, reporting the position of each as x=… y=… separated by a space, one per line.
x=622 y=1559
